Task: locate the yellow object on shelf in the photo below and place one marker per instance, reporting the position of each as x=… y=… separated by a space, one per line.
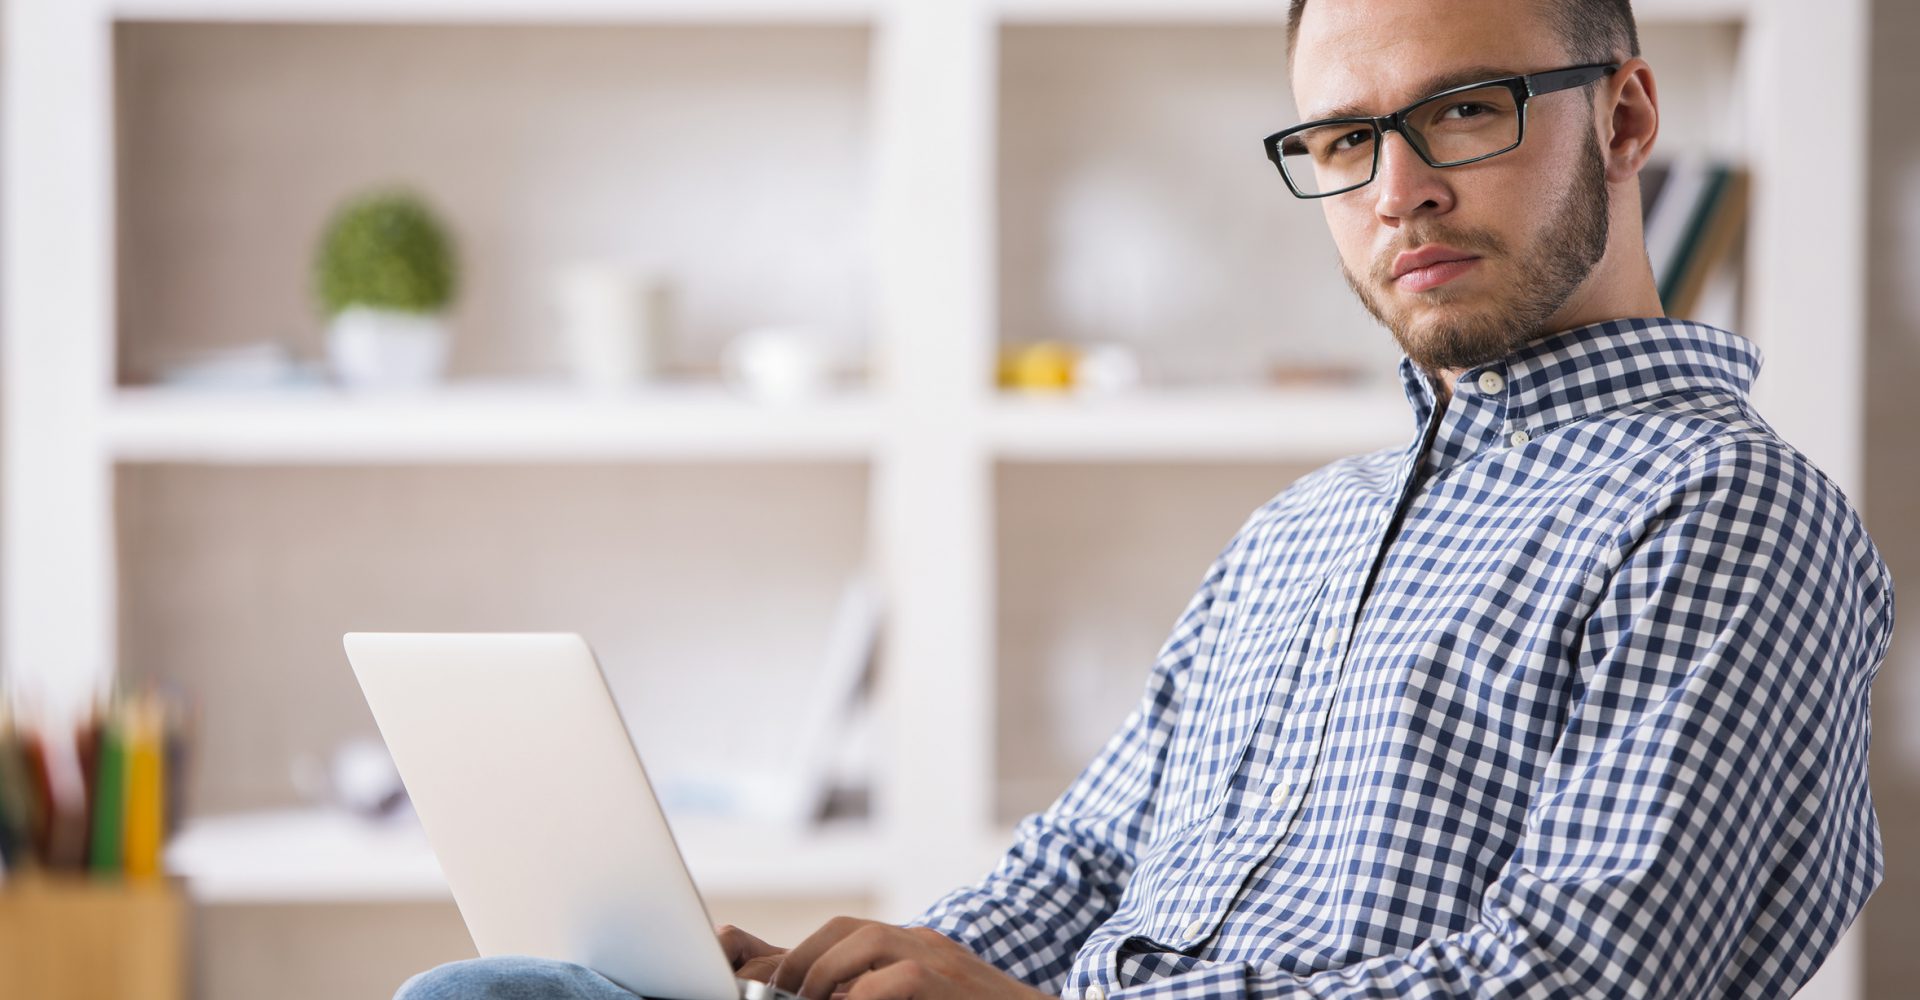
x=70 y=937
x=1047 y=365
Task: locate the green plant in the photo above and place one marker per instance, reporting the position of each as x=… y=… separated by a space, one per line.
x=385 y=250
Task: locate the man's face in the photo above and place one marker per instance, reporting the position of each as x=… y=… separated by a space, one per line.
x=1532 y=222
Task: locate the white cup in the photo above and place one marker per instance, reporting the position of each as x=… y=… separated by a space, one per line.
x=613 y=320
x=776 y=364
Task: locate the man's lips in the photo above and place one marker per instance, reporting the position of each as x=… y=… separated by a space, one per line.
x=1421 y=279
x=1431 y=267
x=1427 y=256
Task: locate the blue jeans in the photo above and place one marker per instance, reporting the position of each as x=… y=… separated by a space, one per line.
x=511 y=977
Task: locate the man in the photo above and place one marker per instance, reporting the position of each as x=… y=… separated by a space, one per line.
x=1567 y=698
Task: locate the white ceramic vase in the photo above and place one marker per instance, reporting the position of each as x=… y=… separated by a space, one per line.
x=387 y=349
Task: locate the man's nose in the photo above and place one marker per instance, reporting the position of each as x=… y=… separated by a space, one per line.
x=1405 y=185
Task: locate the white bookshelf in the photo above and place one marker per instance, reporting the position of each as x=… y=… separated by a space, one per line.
x=929 y=429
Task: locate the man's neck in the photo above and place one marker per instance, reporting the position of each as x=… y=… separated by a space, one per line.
x=1443 y=381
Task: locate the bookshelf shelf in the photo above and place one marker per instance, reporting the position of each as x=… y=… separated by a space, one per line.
x=514 y=424
x=1275 y=11
x=482 y=423
x=777 y=11
x=314 y=856
x=506 y=11
x=1201 y=425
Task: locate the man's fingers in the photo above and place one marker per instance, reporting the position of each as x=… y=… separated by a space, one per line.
x=906 y=980
x=747 y=953
x=758 y=969
x=795 y=963
x=868 y=947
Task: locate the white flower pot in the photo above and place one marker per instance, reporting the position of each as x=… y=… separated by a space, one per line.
x=387 y=349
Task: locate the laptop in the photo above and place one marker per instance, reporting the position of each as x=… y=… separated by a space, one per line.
x=537 y=806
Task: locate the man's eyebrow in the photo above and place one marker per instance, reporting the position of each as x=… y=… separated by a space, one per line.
x=1431 y=85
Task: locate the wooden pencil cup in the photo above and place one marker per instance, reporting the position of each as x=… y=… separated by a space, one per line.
x=70 y=937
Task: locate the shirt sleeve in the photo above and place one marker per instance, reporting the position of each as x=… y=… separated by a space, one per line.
x=1704 y=822
x=1067 y=867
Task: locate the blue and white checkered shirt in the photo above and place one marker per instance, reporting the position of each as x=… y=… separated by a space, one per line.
x=1573 y=701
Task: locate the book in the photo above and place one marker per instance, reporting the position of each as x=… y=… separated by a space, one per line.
x=839 y=698
x=1694 y=213
x=1712 y=243
x=1670 y=211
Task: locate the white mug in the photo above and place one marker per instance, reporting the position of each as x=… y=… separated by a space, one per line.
x=613 y=318
x=776 y=364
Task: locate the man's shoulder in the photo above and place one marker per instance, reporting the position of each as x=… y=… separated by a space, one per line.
x=1743 y=489
x=1711 y=447
x=1732 y=459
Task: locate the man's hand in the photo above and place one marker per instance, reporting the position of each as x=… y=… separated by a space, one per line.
x=885 y=962
x=752 y=958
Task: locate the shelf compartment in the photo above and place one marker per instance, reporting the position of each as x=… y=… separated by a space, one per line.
x=730 y=161
x=1094 y=565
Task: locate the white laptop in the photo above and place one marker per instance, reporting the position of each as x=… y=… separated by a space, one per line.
x=536 y=804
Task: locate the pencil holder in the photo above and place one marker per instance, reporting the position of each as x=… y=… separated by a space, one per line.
x=72 y=937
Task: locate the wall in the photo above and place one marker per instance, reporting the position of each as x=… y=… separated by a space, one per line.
x=1892 y=501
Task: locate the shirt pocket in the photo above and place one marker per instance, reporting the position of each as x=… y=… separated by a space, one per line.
x=1250 y=660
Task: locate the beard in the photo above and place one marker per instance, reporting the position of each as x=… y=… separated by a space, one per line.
x=1489 y=326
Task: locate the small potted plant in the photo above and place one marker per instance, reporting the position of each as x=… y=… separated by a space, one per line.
x=384 y=276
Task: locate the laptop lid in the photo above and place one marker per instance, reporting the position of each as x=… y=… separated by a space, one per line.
x=538 y=808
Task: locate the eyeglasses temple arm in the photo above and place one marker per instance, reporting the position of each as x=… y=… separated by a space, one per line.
x=1567 y=79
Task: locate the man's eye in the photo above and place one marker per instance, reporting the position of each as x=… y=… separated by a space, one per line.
x=1352 y=140
x=1465 y=109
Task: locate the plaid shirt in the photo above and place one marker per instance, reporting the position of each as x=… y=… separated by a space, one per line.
x=1571 y=701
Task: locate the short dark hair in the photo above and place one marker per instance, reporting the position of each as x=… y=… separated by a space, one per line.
x=1594 y=31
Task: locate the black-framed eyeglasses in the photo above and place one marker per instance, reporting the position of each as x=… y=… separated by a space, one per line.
x=1454 y=127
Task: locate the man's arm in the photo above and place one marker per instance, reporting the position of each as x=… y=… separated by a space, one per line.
x=1705 y=815
x=1068 y=864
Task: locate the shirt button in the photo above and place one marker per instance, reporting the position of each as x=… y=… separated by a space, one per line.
x=1518 y=438
x=1094 y=993
x=1331 y=638
x=1197 y=928
x=1491 y=384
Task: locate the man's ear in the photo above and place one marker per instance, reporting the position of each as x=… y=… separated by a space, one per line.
x=1630 y=119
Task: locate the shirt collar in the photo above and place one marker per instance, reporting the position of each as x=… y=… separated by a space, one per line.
x=1573 y=374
